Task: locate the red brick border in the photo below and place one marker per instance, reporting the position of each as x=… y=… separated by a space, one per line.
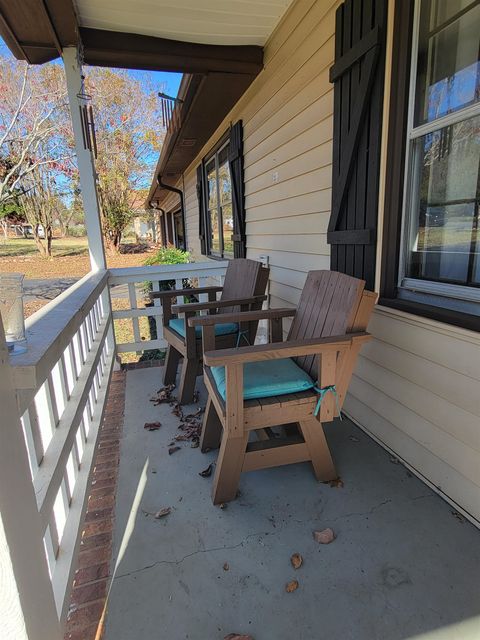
x=91 y=581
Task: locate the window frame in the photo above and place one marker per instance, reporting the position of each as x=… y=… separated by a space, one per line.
x=223 y=143
x=397 y=180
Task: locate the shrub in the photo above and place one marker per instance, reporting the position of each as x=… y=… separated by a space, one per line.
x=168 y=255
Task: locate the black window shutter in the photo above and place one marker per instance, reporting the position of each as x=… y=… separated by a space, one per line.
x=358 y=77
x=201 y=210
x=238 y=197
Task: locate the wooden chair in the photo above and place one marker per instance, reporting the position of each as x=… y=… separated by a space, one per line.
x=243 y=289
x=325 y=337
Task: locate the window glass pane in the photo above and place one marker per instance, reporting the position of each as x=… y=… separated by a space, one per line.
x=444 y=240
x=227 y=216
x=224 y=183
x=211 y=185
x=214 y=231
x=448 y=71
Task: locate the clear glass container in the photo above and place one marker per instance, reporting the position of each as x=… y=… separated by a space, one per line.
x=11 y=310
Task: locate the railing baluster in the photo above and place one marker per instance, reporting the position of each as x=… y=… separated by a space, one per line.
x=157 y=304
x=52 y=401
x=33 y=436
x=132 y=295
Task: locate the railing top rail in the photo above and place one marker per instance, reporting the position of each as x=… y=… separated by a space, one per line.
x=50 y=329
x=120 y=275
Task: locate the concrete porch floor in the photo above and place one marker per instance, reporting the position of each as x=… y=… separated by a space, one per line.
x=402 y=565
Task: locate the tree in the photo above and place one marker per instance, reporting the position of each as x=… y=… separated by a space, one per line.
x=35 y=127
x=129 y=138
x=41 y=204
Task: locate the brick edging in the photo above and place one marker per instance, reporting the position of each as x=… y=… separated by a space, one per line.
x=92 y=577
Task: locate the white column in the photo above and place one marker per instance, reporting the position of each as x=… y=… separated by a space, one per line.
x=86 y=166
x=27 y=605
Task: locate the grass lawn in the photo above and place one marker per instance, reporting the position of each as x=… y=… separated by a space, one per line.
x=70 y=258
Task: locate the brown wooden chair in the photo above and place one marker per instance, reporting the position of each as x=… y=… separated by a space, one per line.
x=319 y=356
x=243 y=289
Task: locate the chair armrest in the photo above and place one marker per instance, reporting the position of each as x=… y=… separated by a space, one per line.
x=172 y=293
x=218 y=304
x=242 y=316
x=289 y=349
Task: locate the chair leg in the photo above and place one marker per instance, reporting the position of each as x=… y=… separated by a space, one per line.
x=211 y=428
x=229 y=467
x=171 y=365
x=322 y=462
x=187 y=380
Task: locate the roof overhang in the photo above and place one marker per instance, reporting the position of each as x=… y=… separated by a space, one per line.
x=220 y=50
x=152 y=34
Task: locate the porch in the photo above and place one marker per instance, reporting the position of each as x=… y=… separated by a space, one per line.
x=401 y=565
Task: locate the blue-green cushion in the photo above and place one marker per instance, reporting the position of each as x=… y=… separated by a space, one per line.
x=267 y=378
x=178 y=325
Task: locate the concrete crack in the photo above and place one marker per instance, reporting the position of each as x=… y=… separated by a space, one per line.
x=362 y=513
x=194 y=553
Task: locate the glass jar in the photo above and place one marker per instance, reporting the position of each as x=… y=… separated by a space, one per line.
x=11 y=310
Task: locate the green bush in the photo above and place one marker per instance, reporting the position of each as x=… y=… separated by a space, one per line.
x=168 y=255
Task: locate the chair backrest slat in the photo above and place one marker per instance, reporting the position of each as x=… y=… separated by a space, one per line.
x=327 y=307
x=243 y=279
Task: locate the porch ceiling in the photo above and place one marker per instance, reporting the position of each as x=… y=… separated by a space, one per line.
x=238 y=22
x=151 y=34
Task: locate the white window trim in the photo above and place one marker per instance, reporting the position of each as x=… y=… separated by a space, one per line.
x=445 y=290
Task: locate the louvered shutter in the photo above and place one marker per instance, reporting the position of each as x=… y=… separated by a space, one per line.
x=358 y=77
x=238 y=197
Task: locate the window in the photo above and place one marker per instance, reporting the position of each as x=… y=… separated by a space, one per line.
x=219 y=223
x=440 y=253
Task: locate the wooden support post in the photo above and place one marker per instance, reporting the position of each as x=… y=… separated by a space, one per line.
x=86 y=167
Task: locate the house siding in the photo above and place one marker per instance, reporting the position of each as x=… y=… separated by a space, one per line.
x=416 y=388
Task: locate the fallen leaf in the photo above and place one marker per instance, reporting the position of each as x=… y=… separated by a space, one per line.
x=226 y=566
x=172 y=450
x=206 y=473
x=325 y=536
x=194 y=416
x=296 y=560
x=177 y=411
x=152 y=426
x=162 y=513
x=237 y=636
x=163 y=395
x=223 y=505
x=335 y=484
x=291 y=586
x=195 y=444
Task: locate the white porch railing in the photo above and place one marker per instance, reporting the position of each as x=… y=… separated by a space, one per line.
x=133 y=279
x=61 y=385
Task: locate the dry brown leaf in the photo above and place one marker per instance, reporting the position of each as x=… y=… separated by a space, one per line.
x=226 y=566
x=206 y=473
x=237 y=636
x=162 y=513
x=296 y=560
x=335 y=484
x=325 y=536
x=172 y=450
x=291 y=586
x=152 y=426
x=223 y=505
x=195 y=444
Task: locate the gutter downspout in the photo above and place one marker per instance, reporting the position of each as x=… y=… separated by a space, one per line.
x=168 y=187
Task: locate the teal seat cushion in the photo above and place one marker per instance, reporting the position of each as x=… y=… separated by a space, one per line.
x=267 y=378
x=178 y=325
